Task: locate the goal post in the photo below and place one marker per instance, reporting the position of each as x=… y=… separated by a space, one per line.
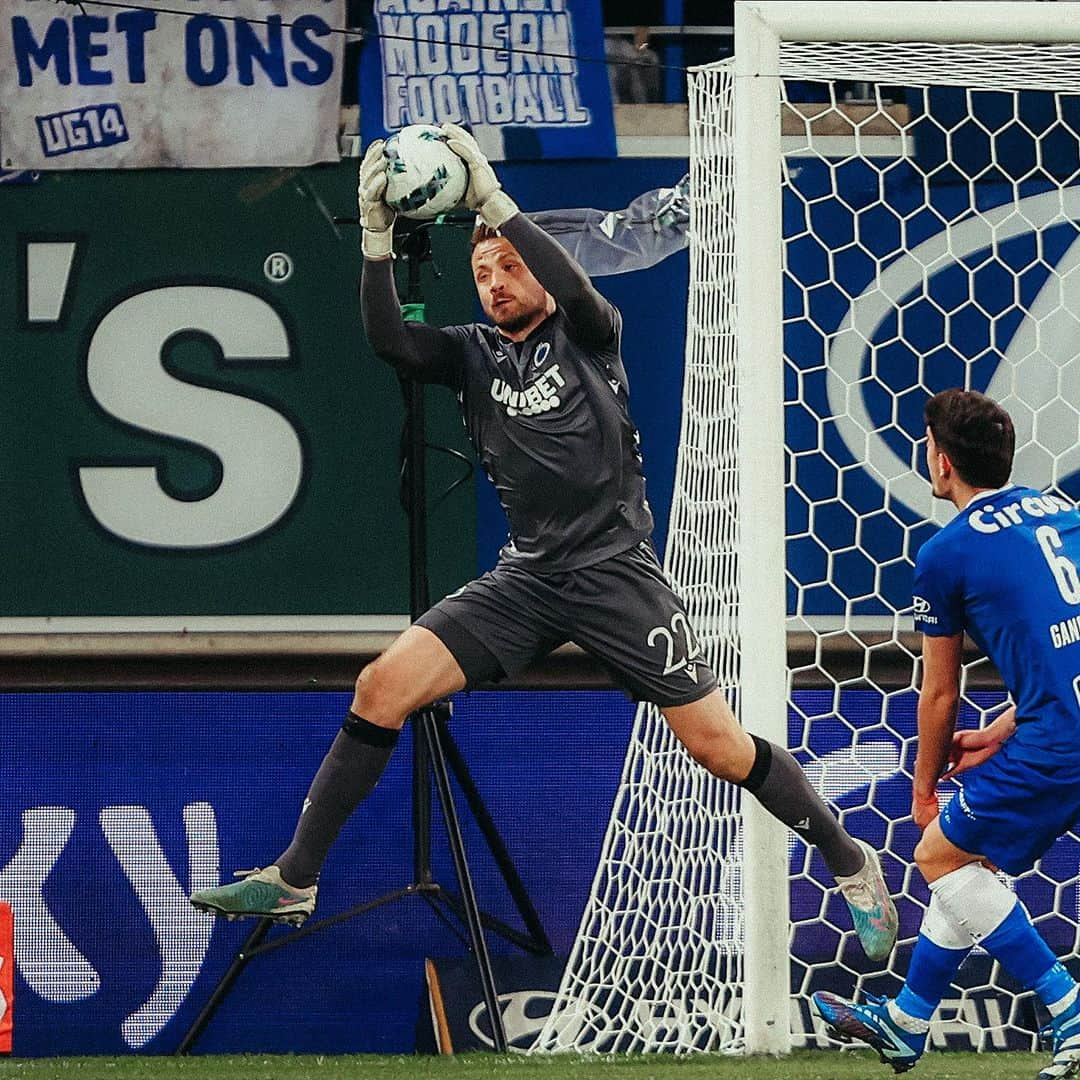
x=762 y=691
x=847 y=260
x=761 y=29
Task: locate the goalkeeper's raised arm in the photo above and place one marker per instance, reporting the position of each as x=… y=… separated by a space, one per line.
x=415 y=350
x=592 y=316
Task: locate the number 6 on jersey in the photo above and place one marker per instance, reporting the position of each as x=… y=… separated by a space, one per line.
x=1064 y=569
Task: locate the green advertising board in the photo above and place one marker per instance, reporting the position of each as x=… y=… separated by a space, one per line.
x=192 y=421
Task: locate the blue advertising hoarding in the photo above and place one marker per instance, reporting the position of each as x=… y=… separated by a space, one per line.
x=116 y=805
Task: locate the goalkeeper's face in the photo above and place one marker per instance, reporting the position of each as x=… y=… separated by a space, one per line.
x=511 y=297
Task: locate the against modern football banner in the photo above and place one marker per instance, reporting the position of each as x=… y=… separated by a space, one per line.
x=527 y=76
x=226 y=83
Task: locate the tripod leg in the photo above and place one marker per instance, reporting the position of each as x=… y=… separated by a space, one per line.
x=421 y=803
x=541 y=946
x=461 y=866
x=224 y=986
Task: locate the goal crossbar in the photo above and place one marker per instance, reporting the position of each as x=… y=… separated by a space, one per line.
x=914 y=20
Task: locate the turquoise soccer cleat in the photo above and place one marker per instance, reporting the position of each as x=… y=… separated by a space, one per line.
x=261 y=894
x=872 y=910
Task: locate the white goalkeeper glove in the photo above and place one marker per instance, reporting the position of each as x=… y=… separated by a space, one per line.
x=484 y=193
x=377 y=219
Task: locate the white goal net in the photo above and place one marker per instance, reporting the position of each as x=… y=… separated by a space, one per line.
x=911 y=224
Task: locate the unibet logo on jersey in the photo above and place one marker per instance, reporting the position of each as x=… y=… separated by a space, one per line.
x=540 y=396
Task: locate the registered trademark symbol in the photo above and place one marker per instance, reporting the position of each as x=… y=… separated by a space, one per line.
x=278 y=267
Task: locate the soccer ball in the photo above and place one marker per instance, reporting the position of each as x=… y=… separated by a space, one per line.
x=424 y=177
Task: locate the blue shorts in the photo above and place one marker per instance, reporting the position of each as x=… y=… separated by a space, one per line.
x=1012 y=811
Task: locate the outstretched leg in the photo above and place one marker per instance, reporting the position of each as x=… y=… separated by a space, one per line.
x=711 y=733
x=417 y=669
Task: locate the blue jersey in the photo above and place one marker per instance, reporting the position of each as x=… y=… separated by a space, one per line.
x=1006 y=570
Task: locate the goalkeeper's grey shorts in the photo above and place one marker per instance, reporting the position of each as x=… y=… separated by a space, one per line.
x=621 y=611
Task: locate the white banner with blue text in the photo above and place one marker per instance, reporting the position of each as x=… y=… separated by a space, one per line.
x=220 y=83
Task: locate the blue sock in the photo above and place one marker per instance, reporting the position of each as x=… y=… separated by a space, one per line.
x=1017 y=946
x=1054 y=984
x=930 y=974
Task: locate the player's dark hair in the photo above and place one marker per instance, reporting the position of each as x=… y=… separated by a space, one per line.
x=481 y=233
x=976 y=433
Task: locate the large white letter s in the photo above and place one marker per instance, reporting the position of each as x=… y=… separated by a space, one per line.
x=260 y=452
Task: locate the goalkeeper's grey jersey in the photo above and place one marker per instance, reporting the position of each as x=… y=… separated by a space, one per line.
x=548 y=416
x=550 y=423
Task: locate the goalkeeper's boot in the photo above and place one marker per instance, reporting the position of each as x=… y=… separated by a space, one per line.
x=870 y=1023
x=261 y=894
x=1064 y=1035
x=872 y=909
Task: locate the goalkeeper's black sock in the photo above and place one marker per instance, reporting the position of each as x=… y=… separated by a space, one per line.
x=780 y=785
x=347 y=775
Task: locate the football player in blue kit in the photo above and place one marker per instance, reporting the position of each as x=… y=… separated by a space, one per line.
x=1006 y=571
x=545 y=398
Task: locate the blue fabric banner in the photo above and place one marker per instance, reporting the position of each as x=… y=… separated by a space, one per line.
x=528 y=79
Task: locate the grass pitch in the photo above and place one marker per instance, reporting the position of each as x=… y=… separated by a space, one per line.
x=802 y=1065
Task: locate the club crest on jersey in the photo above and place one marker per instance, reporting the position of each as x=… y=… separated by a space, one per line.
x=540 y=396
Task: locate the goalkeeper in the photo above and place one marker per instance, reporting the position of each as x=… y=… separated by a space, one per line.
x=545 y=399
